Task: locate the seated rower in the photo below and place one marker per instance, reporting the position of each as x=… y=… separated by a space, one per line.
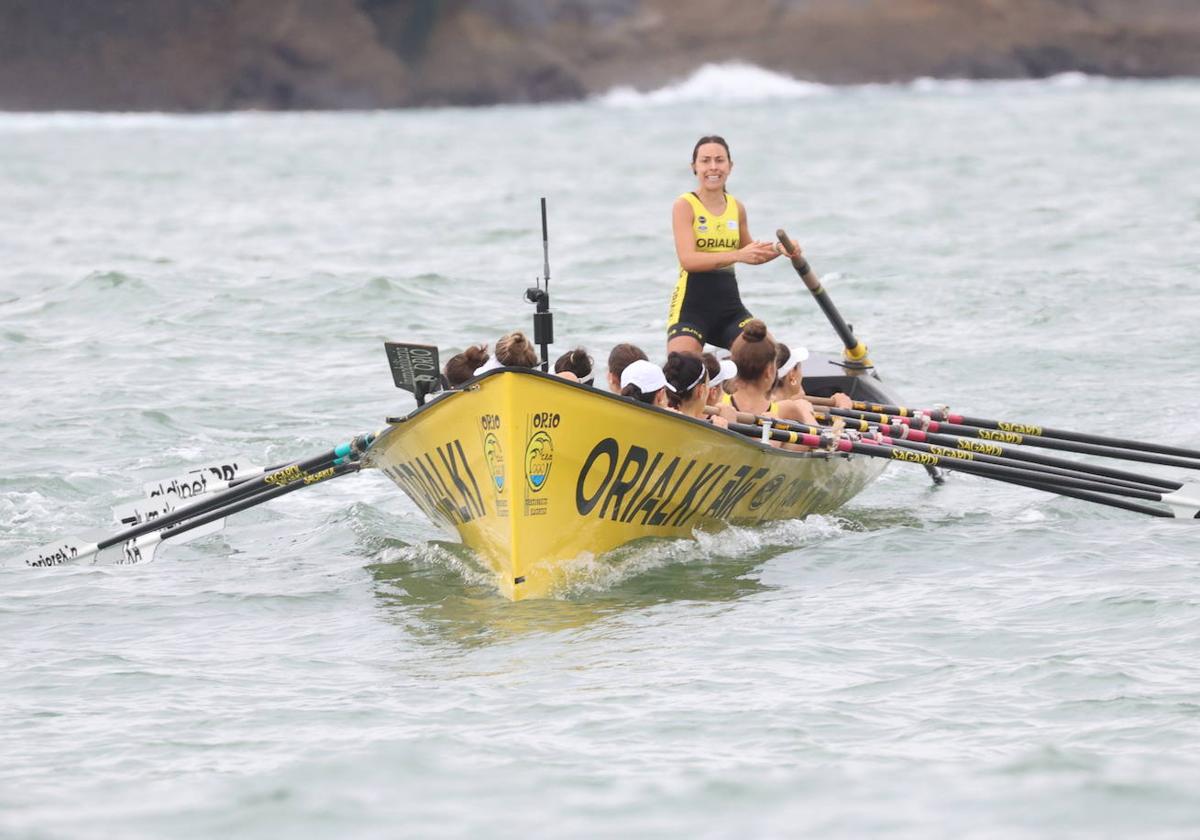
x=462 y=366
x=754 y=355
x=789 y=378
x=620 y=358
x=575 y=365
x=718 y=371
x=644 y=381
x=687 y=386
x=512 y=350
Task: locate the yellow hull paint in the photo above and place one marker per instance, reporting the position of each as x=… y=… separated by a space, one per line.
x=532 y=471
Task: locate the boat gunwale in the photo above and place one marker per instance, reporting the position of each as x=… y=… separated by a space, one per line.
x=472 y=384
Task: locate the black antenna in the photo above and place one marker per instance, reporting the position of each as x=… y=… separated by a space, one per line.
x=543 y=318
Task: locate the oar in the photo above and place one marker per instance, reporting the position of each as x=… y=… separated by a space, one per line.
x=986 y=453
x=901 y=432
x=1130 y=450
x=856 y=351
x=1181 y=507
x=978 y=450
x=141 y=549
x=1026 y=429
x=75 y=549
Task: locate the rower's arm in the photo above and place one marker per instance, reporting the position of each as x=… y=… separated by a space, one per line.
x=752 y=253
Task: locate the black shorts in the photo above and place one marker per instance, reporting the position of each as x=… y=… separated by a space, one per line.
x=707 y=307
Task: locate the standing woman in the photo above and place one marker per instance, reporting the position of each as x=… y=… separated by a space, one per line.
x=711 y=236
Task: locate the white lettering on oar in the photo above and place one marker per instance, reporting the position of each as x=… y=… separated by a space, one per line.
x=205 y=479
x=58 y=553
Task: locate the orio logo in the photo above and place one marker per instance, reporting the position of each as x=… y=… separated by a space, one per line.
x=495 y=460
x=765 y=492
x=539 y=456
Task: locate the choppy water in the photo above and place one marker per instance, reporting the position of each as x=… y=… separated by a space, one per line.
x=975 y=660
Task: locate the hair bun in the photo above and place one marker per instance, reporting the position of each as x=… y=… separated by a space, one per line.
x=755 y=330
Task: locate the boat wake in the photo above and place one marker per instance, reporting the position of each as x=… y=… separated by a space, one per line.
x=709 y=566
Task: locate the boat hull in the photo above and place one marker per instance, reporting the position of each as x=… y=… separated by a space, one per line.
x=533 y=471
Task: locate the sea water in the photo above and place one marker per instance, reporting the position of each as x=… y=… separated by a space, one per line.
x=970 y=660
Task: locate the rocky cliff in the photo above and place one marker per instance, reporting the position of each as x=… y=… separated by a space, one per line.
x=227 y=54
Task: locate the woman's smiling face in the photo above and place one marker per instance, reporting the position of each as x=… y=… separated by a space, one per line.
x=712 y=166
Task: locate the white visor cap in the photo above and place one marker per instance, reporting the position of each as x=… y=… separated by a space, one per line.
x=646 y=375
x=799 y=354
x=728 y=371
x=491 y=364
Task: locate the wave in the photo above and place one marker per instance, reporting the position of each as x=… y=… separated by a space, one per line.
x=740 y=82
x=729 y=82
x=1059 y=80
x=23 y=122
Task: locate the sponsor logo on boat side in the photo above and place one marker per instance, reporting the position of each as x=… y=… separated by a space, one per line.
x=636 y=483
x=441 y=483
x=494 y=456
x=1021 y=428
x=765 y=492
x=539 y=457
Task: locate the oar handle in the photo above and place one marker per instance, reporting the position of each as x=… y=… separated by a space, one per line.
x=856 y=351
x=798 y=262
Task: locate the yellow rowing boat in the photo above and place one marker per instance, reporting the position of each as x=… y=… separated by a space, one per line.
x=533 y=471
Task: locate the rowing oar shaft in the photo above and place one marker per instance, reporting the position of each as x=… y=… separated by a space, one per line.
x=1026 y=429
x=297 y=471
x=1069 y=470
x=981 y=450
x=1076 y=488
x=856 y=351
x=142 y=548
x=259 y=498
x=900 y=432
x=1131 y=452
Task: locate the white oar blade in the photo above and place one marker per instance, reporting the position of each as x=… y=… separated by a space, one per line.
x=132 y=552
x=205 y=479
x=1183 y=506
x=203 y=531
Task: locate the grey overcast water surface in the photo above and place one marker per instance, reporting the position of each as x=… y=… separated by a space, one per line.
x=976 y=660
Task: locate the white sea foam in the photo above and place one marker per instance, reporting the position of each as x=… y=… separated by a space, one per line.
x=968 y=86
x=590 y=574
x=731 y=82
x=740 y=82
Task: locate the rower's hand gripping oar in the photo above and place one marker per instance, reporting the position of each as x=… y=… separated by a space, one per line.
x=256 y=490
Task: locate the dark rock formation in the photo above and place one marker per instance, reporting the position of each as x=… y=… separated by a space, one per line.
x=225 y=54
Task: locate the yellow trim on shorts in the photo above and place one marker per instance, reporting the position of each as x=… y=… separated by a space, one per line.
x=677 y=298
